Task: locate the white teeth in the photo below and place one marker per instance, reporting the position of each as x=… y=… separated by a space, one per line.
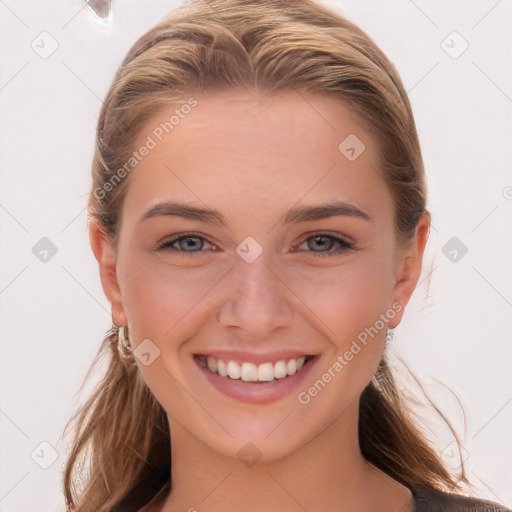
x=250 y=372
x=212 y=364
x=280 y=370
x=266 y=372
x=291 y=367
x=234 y=370
x=221 y=368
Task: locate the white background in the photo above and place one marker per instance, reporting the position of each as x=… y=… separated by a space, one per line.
x=456 y=333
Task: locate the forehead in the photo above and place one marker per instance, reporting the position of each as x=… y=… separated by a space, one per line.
x=256 y=151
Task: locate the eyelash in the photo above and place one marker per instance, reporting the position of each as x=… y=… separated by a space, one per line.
x=343 y=246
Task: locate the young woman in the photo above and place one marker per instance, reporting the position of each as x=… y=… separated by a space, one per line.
x=258 y=213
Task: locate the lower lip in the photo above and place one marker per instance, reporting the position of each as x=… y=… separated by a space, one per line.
x=256 y=393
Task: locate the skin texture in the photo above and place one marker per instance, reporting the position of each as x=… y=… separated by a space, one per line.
x=253 y=156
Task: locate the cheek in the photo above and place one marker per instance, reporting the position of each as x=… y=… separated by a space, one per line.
x=159 y=298
x=167 y=305
x=346 y=300
x=350 y=303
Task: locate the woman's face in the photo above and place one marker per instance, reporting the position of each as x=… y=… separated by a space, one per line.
x=298 y=266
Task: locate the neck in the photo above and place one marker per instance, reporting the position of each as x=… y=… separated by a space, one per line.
x=327 y=473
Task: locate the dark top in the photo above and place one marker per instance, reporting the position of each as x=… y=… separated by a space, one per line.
x=427 y=499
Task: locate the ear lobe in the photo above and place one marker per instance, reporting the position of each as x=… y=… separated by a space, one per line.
x=106 y=256
x=409 y=266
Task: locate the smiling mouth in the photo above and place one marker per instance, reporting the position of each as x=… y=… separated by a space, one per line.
x=253 y=373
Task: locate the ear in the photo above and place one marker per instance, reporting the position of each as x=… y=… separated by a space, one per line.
x=408 y=268
x=106 y=255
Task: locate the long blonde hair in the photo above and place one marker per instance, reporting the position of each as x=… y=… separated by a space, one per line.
x=120 y=457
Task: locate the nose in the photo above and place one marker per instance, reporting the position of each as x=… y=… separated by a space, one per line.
x=258 y=304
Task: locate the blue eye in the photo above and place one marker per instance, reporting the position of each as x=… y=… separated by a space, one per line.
x=190 y=243
x=328 y=242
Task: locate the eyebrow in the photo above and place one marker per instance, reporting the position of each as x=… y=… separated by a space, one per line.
x=293 y=216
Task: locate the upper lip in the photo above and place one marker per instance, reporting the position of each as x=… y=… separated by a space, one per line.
x=252 y=357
